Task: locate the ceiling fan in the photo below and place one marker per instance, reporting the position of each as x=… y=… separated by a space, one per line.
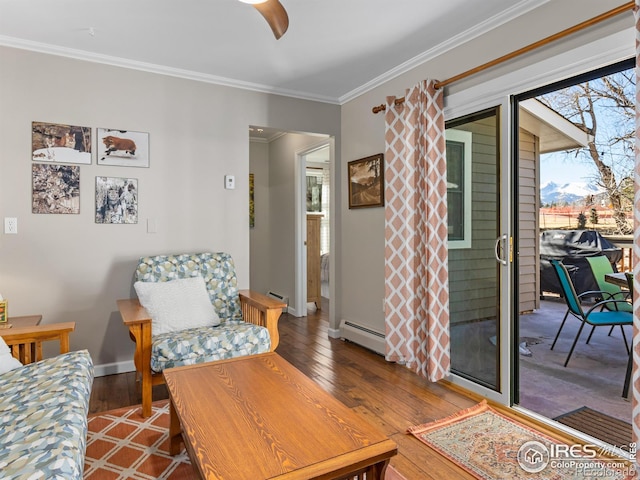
x=274 y=13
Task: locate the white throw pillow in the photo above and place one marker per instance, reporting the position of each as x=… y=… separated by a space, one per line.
x=177 y=305
x=7 y=362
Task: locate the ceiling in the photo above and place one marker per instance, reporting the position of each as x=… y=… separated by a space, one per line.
x=333 y=51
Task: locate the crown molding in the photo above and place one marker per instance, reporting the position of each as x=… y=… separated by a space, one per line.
x=269 y=139
x=481 y=28
x=158 y=69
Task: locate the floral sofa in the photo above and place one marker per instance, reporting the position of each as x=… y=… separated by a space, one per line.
x=247 y=322
x=43 y=417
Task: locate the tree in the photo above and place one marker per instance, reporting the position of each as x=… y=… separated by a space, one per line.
x=604 y=108
x=582 y=220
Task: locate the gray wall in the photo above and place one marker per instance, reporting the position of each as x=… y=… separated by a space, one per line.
x=259 y=235
x=70 y=269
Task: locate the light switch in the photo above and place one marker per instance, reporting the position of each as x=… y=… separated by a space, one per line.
x=229 y=182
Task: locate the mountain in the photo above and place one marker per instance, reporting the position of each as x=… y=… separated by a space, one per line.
x=567 y=193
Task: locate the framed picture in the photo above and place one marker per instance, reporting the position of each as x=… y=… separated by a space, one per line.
x=122 y=148
x=4 y=313
x=314 y=190
x=53 y=142
x=116 y=200
x=366 y=182
x=252 y=204
x=55 y=188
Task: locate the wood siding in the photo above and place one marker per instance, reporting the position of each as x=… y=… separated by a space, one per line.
x=473 y=272
x=528 y=224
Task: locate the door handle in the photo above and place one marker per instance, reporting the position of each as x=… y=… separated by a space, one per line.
x=498 y=250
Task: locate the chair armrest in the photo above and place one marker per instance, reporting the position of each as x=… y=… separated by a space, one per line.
x=605 y=302
x=137 y=319
x=25 y=343
x=132 y=312
x=262 y=310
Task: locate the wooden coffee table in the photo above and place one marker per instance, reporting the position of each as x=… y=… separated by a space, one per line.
x=258 y=417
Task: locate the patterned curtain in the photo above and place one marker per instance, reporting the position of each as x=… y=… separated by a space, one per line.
x=416 y=255
x=635 y=377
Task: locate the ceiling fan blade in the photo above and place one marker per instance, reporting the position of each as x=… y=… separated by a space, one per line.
x=275 y=15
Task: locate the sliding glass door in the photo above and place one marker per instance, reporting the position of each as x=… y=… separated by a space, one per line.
x=477 y=247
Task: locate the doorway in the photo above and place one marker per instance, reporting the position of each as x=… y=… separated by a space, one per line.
x=317 y=186
x=278 y=169
x=575 y=160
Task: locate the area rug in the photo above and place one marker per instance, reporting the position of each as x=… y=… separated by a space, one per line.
x=492 y=446
x=599 y=425
x=122 y=445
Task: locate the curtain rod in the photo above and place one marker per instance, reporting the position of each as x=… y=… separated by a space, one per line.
x=564 y=33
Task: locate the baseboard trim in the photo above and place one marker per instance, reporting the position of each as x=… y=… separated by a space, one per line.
x=334 y=333
x=113 y=368
x=292 y=311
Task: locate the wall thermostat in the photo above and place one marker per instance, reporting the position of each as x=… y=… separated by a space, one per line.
x=229 y=182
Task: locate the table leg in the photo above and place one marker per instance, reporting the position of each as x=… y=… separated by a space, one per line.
x=379 y=470
x=174 y=430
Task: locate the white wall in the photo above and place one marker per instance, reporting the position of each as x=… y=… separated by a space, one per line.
x=70 y=269
x=361 y=231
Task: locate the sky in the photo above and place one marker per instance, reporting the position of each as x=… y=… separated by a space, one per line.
x=561 y=169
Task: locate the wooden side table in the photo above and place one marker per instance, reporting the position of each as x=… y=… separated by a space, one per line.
x=26 y=321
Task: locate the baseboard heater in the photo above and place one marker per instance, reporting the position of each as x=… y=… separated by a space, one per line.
x=364 y=336
x=282 y=298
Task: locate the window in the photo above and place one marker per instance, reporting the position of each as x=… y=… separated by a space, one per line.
x=459 y=187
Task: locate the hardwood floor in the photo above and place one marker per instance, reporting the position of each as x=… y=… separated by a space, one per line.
x=389 y=395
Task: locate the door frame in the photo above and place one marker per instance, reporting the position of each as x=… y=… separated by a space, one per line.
x=300 y=295
x=505 y=217
x=498 y=91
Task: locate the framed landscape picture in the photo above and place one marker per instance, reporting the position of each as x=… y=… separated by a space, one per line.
x=122 y=148
x=252 y=204
x=366 y=182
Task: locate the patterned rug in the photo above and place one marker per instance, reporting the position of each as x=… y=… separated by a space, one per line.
x=492 y=446
x=122 y=445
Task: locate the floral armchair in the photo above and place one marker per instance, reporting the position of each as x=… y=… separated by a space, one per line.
x=246 y=322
